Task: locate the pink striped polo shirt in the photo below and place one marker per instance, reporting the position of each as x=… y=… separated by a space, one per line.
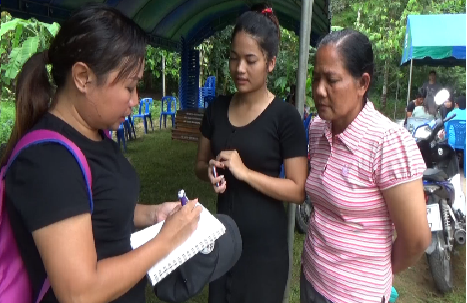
x=347 y=251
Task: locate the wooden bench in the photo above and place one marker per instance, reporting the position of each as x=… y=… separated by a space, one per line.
x=187 y=123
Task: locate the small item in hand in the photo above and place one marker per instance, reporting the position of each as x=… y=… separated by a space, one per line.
x=182 y=197
x=214 y=172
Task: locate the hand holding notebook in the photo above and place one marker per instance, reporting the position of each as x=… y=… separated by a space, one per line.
x=209 y=229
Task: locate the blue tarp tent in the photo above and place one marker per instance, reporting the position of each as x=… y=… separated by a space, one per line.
x=435 y=40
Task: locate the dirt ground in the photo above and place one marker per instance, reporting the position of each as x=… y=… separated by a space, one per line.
x=415 y=285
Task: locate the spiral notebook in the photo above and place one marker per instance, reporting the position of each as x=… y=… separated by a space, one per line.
x=209 y=230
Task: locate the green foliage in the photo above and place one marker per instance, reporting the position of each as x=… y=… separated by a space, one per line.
x=153 y=66
x=7 y=120
x=384 y=22
x=20 y=39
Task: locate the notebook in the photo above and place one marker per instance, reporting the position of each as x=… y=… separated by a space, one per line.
x=209 y=230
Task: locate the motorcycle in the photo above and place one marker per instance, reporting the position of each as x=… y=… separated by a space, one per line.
x=303 y=211
x=447 y=223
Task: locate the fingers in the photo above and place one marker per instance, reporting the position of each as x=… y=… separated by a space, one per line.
x=191 y=204
x=224 y=155
x=216 y=163
x=175 y=209
x=221 y=188
x=197 y=211
x=216 y=180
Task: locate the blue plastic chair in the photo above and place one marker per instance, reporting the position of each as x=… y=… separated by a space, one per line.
x=456 y=136
x=130 y=124
x=207 y=93
x=168 y=100
x=144 y=112
x=121 y=136
x=456 y=133
x=211 y=82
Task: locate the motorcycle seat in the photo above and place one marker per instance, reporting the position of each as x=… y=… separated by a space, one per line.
x=435 y=175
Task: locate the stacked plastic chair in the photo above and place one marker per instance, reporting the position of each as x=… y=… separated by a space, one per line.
x=189 y=77
x=207 y=93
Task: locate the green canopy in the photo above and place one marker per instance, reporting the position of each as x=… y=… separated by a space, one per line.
x=167 y=21
x=435 y=40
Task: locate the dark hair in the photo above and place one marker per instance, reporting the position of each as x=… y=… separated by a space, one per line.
x=460 y=101
x=97 y=35
x=355 y=50
x=261 y=25
x=420 y=95
x=432 y=72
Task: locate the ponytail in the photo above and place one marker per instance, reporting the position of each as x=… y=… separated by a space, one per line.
x=267 y=11
x=33 y=95
x=262 y=24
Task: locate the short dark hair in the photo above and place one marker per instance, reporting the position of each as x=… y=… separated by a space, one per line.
x=460 y=101
x=420 y=95
x=263 y=26
x=356 y=51
x=432 y=72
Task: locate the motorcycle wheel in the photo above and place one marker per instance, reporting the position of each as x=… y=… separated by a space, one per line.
x=441 y=266
x=302 y=215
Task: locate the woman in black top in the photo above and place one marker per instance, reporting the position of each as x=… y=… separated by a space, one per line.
x=97 y=60
x=247 y=137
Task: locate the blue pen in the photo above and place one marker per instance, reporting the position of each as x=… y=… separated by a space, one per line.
x=182 y=197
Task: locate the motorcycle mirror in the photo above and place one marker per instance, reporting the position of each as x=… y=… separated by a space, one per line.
x=442 y=96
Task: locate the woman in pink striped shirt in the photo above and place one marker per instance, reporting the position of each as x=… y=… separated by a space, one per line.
x=364 y=182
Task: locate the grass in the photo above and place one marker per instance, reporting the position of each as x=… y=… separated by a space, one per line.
x=165 y=166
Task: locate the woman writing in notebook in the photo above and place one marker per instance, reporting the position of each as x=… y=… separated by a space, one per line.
x=97 y=59
x=247 y=137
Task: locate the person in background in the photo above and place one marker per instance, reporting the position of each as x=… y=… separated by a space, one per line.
x=247 y=137
x=97 y=60
x=427 y=110
x=458 y=113
x=432 y=87
x=365 y=181
x=447 y=106
x=411 y=106
x=459 y=109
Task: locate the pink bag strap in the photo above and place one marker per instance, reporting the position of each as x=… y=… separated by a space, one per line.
x=46 y=136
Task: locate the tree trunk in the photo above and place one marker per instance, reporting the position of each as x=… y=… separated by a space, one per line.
x=397 y=95
x=385 y=85
x=201 y=82
x=163 y=76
